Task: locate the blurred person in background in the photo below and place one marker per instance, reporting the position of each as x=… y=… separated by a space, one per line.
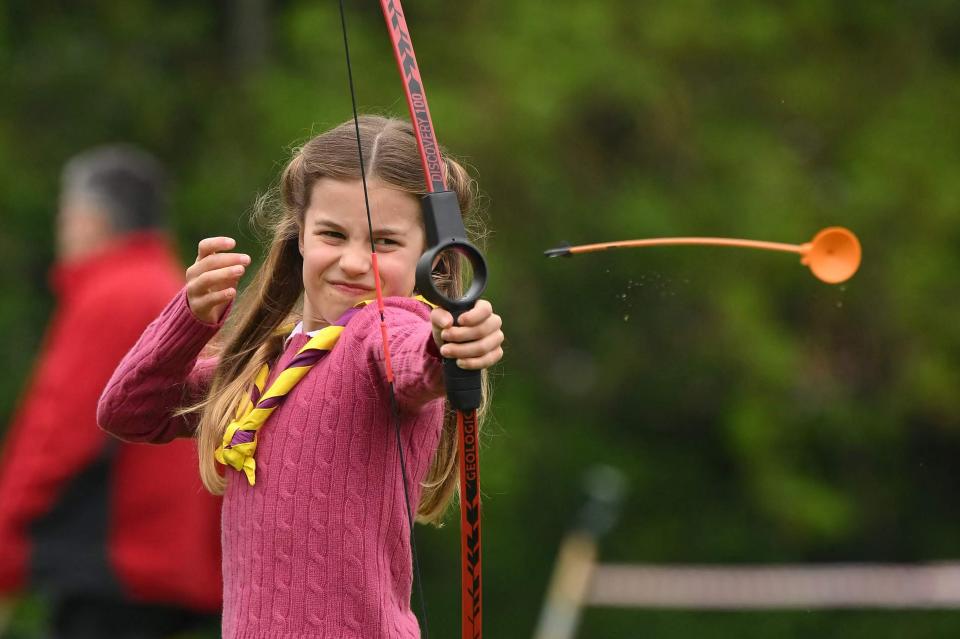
x=120 y=540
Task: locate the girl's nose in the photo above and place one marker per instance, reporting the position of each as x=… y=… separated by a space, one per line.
x=355 y=259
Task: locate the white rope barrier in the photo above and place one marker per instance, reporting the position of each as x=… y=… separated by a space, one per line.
x=783 y=586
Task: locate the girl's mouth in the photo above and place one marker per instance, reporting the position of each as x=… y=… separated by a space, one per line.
x=352 y=290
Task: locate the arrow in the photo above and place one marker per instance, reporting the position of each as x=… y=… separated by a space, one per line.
x=833 y=255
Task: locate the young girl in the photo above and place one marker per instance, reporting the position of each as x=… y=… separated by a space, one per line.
x=314 y=524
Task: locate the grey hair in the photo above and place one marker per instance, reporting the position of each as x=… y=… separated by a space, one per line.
x=127 y=184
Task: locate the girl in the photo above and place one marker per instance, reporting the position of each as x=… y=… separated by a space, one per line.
x=314 y=524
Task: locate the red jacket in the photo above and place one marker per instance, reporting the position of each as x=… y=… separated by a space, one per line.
x=81 y=512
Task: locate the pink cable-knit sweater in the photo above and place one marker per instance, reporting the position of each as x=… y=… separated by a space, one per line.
x=319 y=547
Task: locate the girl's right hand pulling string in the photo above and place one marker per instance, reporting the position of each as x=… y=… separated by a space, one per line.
x=212 y=280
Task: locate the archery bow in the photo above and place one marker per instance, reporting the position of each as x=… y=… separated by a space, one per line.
x=833 y=255
x=444 y=233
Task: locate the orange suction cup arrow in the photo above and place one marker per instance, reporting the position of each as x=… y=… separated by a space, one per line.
x=833 y=255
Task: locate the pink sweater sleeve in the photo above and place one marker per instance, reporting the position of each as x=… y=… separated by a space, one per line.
x=414 y=357
x=159 y=375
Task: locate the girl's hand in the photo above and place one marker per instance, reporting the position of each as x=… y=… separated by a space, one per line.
x=212 y=280
x=475 y=342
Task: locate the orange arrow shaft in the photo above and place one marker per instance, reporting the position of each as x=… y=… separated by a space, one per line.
x=674 y=241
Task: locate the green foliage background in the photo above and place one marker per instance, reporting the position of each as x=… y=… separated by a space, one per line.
x=760 y=415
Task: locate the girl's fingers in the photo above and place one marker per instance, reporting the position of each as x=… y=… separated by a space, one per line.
x=440 y=318
x=216 y=261
x=208 y=306
x=213 y=277
x=474 y=349
x=476 y=315
x=480 y=313
x=490 y=324
x=210 y=245
x=479 y=363
x=215 y=280
x=475 y=342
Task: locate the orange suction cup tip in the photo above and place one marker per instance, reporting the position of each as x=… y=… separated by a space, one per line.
x=833 y=255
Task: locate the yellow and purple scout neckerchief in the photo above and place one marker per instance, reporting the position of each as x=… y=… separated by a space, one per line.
x=240 y=437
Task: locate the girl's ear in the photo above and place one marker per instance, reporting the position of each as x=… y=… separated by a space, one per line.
x=300 y=240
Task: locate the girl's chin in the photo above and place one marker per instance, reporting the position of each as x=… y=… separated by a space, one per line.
x=319 y=316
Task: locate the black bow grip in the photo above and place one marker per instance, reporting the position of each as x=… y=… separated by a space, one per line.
x=445 y=232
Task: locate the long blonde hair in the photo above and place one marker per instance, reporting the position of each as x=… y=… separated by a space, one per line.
x=274 y=296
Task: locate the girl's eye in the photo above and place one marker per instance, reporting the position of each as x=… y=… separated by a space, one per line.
x=386 y=241
x=336 y=235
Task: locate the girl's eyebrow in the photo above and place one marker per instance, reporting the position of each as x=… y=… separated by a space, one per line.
x=325 y=221
x=387 y=230
x=377 y=230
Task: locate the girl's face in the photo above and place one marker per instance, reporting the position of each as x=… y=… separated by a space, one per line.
x=335 y=244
